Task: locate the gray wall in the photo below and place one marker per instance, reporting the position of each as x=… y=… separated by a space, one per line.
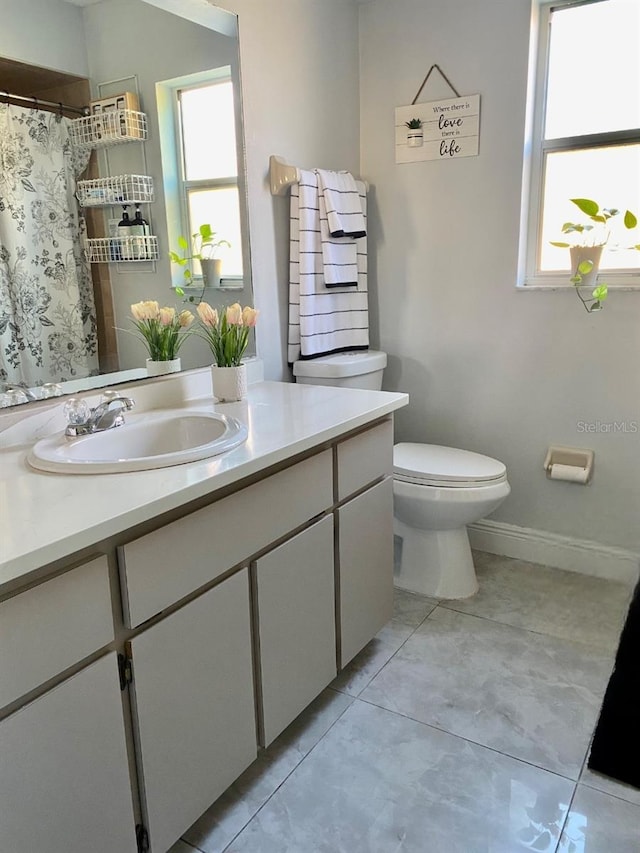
x=43 y=32
x=487 y=367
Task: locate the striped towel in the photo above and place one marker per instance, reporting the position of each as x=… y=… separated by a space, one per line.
x=339 y=254
x=342 y=199
x=321 y=320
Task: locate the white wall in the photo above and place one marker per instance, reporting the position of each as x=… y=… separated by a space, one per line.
x=299 y=63
x=48 y=33
x=494 y=370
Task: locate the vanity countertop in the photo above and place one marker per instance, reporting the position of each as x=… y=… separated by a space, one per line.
x=45 y=517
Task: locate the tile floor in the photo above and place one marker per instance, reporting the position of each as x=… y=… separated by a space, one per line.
x=463 y=727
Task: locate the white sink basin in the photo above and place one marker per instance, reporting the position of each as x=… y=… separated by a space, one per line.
x=148 y=440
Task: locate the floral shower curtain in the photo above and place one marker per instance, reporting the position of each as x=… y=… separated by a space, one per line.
x=47 y=312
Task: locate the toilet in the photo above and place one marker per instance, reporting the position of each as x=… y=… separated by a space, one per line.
x=437 y=490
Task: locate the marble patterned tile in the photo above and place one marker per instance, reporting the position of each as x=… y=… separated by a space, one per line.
x=381 y=783
x=234 y=809
x=610 y=786
x=366 y=665
x=409 y=611
x=550 y=601
x=527 y=695
x=598 y=823
x=182 y=847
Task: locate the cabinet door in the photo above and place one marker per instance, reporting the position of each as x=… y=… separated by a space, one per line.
x=193 y=707
x=366 y=567
x=64 y=775
x=296 y=624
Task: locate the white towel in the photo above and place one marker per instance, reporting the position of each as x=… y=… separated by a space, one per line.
x=342 y=200
x=321 y=320
x=339 y=254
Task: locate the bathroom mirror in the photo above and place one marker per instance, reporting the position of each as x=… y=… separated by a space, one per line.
x=154 y=48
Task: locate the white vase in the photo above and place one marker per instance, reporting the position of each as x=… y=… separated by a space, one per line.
x=586 y=253
x=415 y=138
x=159 y=368
x=211 y=271
x=229 y=383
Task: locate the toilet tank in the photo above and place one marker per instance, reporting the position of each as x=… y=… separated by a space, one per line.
x=345 y=369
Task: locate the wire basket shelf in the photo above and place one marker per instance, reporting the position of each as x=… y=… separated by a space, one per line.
x=117 y=189
x=110 y=128
x=111 y=250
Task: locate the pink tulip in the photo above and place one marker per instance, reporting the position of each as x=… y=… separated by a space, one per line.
x=185 y=319
x=167 y=316
x=234 y=314
x=249 y=316
x=207 y=314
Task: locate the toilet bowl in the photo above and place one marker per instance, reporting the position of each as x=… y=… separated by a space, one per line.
x=437 y=491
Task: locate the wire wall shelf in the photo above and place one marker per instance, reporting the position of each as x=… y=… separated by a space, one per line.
x=111 y=250
x=117 y=189
x=109 y=128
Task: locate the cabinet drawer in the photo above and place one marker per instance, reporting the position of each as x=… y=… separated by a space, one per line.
x=52 y=626
x=365 y=458
x=160 y=568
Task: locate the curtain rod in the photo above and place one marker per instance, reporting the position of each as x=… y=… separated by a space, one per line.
x=39 y=103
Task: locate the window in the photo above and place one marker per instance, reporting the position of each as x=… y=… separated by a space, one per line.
x=200 y=163
x=585 y=138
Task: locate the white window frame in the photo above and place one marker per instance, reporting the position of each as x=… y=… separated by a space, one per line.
x=173 y=168
x=536 y=149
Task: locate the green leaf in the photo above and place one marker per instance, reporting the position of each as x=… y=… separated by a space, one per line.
x=599 y=218
x=206 y=233
x=179 y=291
x=585 y=267
x=600 y=293
x=595 y=307
x=175 y=258
x=586 y=205
x=560 y=245
x=183 y=242
x=630 y=220
x=576 y=279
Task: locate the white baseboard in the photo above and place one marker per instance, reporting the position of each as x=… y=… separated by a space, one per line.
x=552 y=549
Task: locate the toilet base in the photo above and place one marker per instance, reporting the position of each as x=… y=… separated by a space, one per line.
x=437 y=563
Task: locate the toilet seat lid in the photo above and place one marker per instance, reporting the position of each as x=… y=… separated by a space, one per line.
x=433 y=464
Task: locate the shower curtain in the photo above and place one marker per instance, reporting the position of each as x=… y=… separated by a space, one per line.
x=47 y=312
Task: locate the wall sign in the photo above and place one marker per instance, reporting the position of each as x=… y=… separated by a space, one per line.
x=448 y=129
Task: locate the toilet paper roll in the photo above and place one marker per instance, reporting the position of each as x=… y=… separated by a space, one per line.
x=570 y=473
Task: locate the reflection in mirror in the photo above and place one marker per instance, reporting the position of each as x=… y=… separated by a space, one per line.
x=64 y=324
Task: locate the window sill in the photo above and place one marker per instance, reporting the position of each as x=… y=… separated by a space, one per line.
x=612 y=288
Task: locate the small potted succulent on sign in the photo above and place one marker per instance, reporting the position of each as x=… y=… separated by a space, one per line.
x=227 y=334
x=415 y=136
x=588 y=241
x=203 y=249
x=163 y=331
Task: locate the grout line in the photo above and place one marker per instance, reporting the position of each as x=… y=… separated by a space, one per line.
x=292 y=771
x=469 y=740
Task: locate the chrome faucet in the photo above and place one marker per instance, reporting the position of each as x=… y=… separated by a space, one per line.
x=28 y=393
x=106 y=415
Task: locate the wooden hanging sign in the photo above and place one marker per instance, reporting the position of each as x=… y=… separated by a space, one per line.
x=448 y=129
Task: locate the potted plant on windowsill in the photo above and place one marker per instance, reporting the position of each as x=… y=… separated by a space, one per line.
x=588 y=241
x=203 y=247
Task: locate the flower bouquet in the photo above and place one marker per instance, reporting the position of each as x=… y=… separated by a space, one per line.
x=227 y=334
x=163 y=331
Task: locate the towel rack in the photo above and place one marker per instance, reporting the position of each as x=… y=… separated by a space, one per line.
x=281 y=176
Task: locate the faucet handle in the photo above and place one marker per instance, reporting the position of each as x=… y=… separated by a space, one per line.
x=76 y=411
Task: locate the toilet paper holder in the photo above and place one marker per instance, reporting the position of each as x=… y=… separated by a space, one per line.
x=571 y=464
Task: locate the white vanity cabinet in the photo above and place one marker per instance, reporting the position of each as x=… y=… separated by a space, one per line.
x=295 y=602
x=365 y=537
x=234 y=612
x=64 y=776
x=193 y=707
x=64 y=773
